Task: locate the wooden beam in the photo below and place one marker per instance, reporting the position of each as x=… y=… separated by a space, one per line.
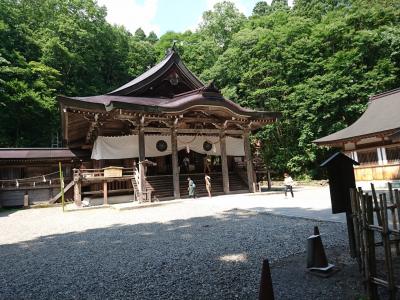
x=248 y=159
x=142 y=157
x=26 y=199
x=92 y=127
x=224 y=162
x=192 y=131
x=77 y=193
x=175 y=168
x=105 y=192
x=65 y=124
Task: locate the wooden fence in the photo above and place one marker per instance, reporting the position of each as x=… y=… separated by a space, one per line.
x=377 y=236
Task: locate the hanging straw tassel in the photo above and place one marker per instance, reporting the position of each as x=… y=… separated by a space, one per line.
x=17 y=183
x=44 y=178
x=187 y=148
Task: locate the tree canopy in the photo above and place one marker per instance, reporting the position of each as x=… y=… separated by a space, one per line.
x=317 y=62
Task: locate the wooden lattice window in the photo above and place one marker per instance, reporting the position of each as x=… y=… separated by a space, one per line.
x=393 y=154
x=369 y=157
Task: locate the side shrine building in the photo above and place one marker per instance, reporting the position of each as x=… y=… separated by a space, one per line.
x=373 y=140
x=149 y=135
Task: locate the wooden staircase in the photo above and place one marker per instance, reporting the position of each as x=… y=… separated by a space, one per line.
x=162 y=186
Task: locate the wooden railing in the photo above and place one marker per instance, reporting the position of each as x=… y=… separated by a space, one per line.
x=41 y=181
x=93 y=174
x=101 y=182
x=376 y=225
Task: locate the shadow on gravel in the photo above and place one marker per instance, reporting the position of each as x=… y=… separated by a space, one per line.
x=216 y=257
x=4 y=212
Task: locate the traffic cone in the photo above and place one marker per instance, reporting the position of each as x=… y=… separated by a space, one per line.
x=317 y=262
x=316 y=230
x=316 y=257
x=266 y=290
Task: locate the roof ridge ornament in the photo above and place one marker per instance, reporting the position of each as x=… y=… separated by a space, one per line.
x=211 y=91
x=211 y=88
x=173 y=49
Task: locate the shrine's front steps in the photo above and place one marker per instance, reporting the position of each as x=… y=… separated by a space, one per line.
x=162 y=186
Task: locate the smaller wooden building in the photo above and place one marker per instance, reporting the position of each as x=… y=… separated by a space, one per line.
x=33 y=173
x=373 y=141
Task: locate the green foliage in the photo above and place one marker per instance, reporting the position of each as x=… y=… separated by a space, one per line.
x=52 y=47
x=222 y=22
x=261 y=9
x=140 y=35
x=318 y=72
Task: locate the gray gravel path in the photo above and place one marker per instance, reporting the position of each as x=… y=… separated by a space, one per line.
x=209 y=257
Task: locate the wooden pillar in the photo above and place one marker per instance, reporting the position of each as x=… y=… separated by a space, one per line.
x=105 y=192
x=175 y=167
x=224 y=162
x=26 y=199
x=248 y=159
x=142 y=157
x=77 y=188
x=77 y=193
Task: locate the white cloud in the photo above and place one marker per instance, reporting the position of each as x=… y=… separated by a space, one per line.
x=132 y=14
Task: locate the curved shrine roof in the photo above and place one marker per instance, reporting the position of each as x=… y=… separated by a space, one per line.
x=168 y=87
x=381 y=117
x=170 y=65
x=205 y=96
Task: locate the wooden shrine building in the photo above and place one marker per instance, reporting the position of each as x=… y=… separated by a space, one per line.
x=144 y=138
x=158 y=129
x=373 y=140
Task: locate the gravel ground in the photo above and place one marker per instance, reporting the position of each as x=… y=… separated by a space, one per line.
x=153 y=254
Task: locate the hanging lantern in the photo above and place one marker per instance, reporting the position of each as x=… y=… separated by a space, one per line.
x=16 y=183
x=44 y=178
x=187 y=148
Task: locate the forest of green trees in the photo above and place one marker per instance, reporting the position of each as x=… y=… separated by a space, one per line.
x=316 y=62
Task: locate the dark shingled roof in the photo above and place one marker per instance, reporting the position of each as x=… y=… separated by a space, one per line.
x=207 y=95
x=155 y=72
x=381 y=117
x=39 y=153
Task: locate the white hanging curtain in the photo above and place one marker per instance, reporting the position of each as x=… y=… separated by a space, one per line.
x=115 y=147
x=119 y=147
x=234 y=146
x=196 y=143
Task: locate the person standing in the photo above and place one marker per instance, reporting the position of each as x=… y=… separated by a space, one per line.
x=207 y=179
x=185 y=164
x=288 y=182
x=207 y=164
x=191 y=188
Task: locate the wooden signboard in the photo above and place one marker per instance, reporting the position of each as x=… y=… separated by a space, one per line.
x=113 y=172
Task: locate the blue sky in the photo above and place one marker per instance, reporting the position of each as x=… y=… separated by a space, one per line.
x=164 y=15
